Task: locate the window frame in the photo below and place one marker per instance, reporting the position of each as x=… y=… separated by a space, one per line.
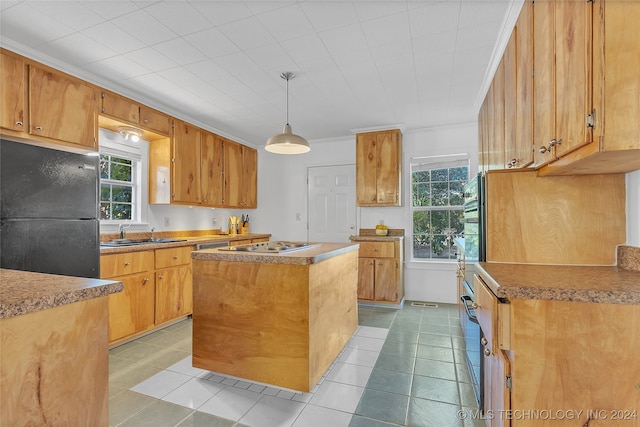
x=113 y=144
x=432 y=163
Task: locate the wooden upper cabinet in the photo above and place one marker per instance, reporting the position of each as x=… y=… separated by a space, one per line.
x=232 y=173
x=185 y=158
x=249 y=177
x=510 y=104
x=496 y=152
x=563 y=77
x=62 y=108
x=240 y=175
x=616 y=104
x=121 y=108
x=523 y=152
x=13 y=76
x=378 y=168
x=155 y=120
x=211 y=164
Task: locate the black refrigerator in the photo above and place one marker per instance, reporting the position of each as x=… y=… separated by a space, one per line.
x=49 y=210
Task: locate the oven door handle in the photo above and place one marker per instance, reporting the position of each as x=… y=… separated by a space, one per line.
x=465 y=299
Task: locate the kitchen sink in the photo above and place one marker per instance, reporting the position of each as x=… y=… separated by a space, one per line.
x=131 y=242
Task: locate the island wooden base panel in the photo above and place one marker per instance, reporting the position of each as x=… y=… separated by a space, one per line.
x=277 y=324
x=54 y=366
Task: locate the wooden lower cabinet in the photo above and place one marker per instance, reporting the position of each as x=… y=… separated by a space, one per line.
x=547 y=359
x=157 y=289
x=132 y=310
x=380 y=277
x=173 y=293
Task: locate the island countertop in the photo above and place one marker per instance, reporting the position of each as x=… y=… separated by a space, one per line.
x=312 y=255
x=23 y=292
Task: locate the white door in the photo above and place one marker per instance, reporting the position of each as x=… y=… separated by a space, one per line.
x=332 y=203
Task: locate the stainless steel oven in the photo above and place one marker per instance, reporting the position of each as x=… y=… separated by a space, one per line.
x=474 y=251
x=473 y=347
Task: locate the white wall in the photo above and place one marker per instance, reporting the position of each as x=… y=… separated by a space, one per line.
x=282 y=193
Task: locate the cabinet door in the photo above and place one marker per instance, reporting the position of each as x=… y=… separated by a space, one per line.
x=366 y=278
x=543 y=81
x=388 y=159
x=497 y=396
x=120 y=107
x=511 y=127
x=155 y=121
x=496 y=142
x=366 y=161
x=524 y=87
x=132 y=310
x=573 y=74
x=232 y=173
x=249 y=177
x=13 y=88
x=186 y=164
x=62 y=108
x=211 y=169
x=386 y=280
x=174 y=293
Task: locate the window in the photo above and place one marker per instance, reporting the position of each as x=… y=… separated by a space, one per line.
x=120 y=179
x=117 y=188
x=437 y=186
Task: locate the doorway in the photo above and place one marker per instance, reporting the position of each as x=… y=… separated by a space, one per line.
x=332 y=203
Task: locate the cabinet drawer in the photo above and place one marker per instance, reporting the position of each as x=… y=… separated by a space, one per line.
x=127 y=263
x=173 y=256
x=377 y=250
x=486 y=311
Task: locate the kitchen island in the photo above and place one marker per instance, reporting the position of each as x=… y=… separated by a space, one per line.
x=275 y=318
x=54 y=359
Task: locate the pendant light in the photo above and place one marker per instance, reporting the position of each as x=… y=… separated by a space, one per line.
x=287 y=142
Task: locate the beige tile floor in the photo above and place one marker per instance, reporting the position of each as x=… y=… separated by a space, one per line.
x=402 y=368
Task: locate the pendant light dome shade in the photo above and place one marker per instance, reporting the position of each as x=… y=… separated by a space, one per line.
x=287 y=142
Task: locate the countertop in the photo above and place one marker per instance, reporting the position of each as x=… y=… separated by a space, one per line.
x=311 y=255
x=23 y=292
x=188 y=241
x=598 y=284
x=374 y=238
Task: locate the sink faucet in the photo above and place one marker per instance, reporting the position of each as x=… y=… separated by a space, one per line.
x=151 y=237
x=121 y=228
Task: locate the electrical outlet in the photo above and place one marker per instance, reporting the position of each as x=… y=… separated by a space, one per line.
x=166 y=221
x=215 y=222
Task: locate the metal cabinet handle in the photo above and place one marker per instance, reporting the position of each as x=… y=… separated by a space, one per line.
x=487 y=352
x=543 y=149
x=135 y=116
x=145 y=121
x=145 y=280
x=160 y=277
x=484 y=341
x=18 y=123
x=465 y=299
x=38 y=127
x=127 y=264
x=175 y=257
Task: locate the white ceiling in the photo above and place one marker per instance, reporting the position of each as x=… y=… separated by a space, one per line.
x=358 y=64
